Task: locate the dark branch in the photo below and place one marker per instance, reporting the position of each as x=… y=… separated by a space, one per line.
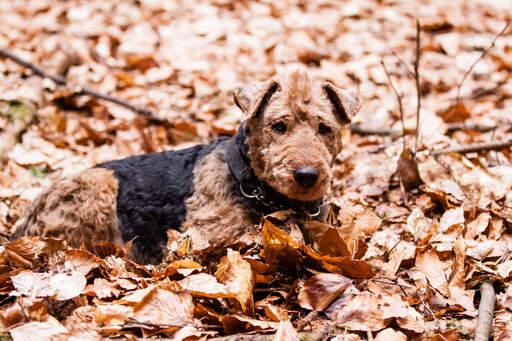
x=476 y=147
x=417 y=81
x=37 y=70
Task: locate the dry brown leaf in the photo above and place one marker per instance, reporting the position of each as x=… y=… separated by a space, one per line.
x=234 y=324
x=320 y=290
x=112 y=315
x=59 y=286
x=456 y=113
x=206 y=285
x=407 y=171
x=477 y=226
x=429 y=264
x=331 y=244
x=81 y=261
x=36 y=331
x=452 y=219
x=358 y=312
x=102 y=289
x=165 y=309
x=278 y=247
x=503 y=326
x=235 y=272
x=389 y=334
x=449 y=335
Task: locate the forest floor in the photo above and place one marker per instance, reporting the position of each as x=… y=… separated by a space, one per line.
x=406 y=253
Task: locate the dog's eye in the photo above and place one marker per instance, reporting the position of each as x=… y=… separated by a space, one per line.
x=323 y=129
x=279 y=127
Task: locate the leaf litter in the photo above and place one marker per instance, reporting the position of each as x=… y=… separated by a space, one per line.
x=388 y=264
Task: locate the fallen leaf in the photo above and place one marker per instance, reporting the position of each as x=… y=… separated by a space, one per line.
x=429 y=264
x=320 y=290
x=235 y=272
x=36 y=331
x=165 y=309
x=206 y=285
x=358 y=312
x=390 y=334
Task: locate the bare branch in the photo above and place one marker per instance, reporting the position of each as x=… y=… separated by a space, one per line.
x=417 y=81
x=37 y=70
x=398 y=98
x=410 y=72
x=476 y=147
x=484 y=53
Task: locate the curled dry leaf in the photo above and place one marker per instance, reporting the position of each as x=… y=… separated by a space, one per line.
x=358 y=312
x=207 y=286
x=331 y=244
x=165 y=309
x=449 y=335
x=102 y=289
x=389 y=334
x=235 y=272
x=80 y=260
x=429 y=264
x=407 y=170
x=36 y=331
x=477 y=226
x=320 y=290
x=58 y=286
x=451 y=219
x=22 y=252
x=278 y=247
x=240 y=324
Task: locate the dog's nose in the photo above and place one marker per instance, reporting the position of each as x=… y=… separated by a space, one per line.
x=306 y=176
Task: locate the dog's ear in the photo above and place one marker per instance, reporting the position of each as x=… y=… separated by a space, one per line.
x=253 y=100
x=345 y=103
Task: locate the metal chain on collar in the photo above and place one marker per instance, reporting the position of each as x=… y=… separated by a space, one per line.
x=257 y=194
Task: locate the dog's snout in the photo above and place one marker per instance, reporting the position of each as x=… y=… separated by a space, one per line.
x=306 y=176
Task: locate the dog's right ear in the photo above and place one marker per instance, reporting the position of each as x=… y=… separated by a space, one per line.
x=345 y=103
x=252 y=100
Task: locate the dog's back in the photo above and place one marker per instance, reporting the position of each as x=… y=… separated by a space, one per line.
x=138 y=198
x=152 y=193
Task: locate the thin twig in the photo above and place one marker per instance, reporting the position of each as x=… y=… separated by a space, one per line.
x=475 y=147
x=407 y=67
x=306 y=321
x=484 y=53
x=398 y=99
x=417 y=81
x=485 y=311
x=360 y=130
x=37 y=70
x=450 y=128
x=463 y=126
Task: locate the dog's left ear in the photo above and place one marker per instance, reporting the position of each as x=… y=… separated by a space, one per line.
x=345 y=103
x=252 y=100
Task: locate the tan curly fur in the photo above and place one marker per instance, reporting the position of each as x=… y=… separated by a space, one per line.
x=214 y=207
x=302 y=106
x=79 y=208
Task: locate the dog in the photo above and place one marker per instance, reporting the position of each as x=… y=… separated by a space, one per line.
x=280 y=158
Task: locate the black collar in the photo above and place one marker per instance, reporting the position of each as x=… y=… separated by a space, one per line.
x=258 y=195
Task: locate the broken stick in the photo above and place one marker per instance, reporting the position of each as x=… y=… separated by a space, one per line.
x=37 y=70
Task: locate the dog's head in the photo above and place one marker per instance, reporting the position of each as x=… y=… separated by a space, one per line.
x=293 y=132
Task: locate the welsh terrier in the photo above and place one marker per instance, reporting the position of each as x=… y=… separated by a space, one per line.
x=280 y=158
